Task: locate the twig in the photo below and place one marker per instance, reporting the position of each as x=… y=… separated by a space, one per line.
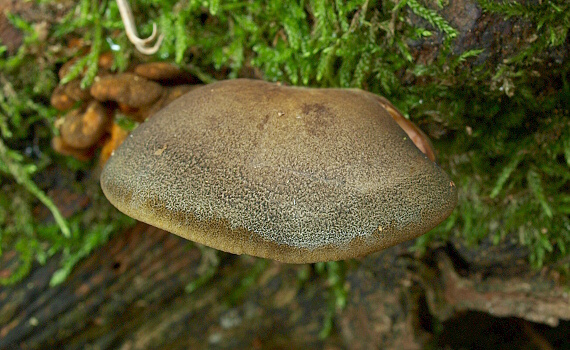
x=132 y=34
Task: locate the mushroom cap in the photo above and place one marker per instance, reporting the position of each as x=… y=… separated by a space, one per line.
x=82 y=129
x=127 y=89
x=292 y=174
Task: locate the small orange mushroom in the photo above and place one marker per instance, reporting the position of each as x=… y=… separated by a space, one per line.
x=117 y=136
x=165 y=73
x=83 y=129
x=127 y=89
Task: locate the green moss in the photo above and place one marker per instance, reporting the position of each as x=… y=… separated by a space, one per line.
x=26 y=125
x=505 y=130
x=501 y=130
x=335 y=272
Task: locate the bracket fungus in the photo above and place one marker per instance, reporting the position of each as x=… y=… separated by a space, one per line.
x=293 y=174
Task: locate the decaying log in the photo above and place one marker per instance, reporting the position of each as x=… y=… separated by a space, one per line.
x=529 y=296
x=130 y=294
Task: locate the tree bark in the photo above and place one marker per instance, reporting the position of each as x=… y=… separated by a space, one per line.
x=130 y=294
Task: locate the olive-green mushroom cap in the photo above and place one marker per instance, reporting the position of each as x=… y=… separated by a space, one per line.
x=292 y=174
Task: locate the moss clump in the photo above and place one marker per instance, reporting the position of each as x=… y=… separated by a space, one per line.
x=28 y=78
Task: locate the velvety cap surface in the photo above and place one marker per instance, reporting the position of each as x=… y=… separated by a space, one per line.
x=291 y=174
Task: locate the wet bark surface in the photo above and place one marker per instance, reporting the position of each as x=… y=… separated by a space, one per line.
x=131 y=293
x=500 y=37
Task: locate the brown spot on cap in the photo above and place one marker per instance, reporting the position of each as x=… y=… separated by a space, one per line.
x=282 y=190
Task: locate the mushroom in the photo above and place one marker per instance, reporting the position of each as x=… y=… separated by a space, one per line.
x=82 y=129
x=165 y=73
x=293 y=174
x=61 y=147
x=64 y=97
x=419 y=138
x=126 y=89
x=116 y=136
